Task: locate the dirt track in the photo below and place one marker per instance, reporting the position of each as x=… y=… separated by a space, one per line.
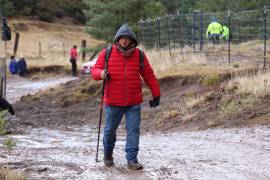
x=56 y=140
x=213 y=154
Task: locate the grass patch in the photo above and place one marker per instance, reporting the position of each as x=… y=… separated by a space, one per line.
x=257 y=85
x=211 y=80
x=229 y=107
x=3 y=123
x=7 y=174
x=9 y=143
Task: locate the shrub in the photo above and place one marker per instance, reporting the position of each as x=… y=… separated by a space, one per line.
x=211 y=80
x=46 y=17
x=59 y=13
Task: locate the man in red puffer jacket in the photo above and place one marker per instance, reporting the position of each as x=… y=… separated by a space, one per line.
x=123 y=93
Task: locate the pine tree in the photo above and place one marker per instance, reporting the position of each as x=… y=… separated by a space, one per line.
x=106 y=16
x=6 y=8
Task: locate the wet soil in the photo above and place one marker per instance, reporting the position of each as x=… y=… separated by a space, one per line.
x=56 y=133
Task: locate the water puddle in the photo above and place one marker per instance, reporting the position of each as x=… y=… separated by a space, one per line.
x=18 y=87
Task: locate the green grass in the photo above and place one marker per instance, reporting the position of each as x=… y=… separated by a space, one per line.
x=3 y=123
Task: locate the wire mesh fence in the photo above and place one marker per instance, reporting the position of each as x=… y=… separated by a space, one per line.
x=247 y=42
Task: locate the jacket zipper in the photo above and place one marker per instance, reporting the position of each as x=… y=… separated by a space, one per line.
x=125 y=93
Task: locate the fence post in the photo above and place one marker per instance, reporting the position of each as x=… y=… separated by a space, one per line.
x=39 y=49
x=179 y=30
x=158 y=27
x=168 y=29
x=229 y=39
x=142 y=33
x=83 y=45
x=193 y=32
x=238 y=24
x=201 y=31
x=173 y=27
x=64 y=51
x=17 y=36
x=265 y=36
x=150 y=33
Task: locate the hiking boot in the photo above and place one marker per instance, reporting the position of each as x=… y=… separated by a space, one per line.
x=108 y=161
x=134 y=165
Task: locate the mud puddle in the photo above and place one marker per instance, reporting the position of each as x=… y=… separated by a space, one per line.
x=211 y=154
x=18 y=86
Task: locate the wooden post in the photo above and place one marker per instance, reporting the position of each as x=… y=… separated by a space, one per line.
x=16 y=44
x=39 y=50
x=64 y=50
x=83 y=45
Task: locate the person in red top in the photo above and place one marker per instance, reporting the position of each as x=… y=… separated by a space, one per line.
x=73 y=60
x=123 y=93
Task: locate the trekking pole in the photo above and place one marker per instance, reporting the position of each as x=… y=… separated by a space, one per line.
x=100 y=117
x=101 y=102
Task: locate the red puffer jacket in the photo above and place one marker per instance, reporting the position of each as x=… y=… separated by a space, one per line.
x=125 y=86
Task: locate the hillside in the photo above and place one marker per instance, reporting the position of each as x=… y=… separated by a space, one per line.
x=45 y=44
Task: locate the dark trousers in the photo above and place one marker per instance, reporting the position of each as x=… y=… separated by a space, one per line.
x=73 y=67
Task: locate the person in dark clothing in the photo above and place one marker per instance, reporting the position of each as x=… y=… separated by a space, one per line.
x=13 y=65
x=22 y=66
x=73 y=60
x=4 y=105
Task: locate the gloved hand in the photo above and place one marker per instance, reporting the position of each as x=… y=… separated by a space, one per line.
x=155 y=102
x=105 y=75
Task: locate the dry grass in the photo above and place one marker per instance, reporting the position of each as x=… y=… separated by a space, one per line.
x=55 y=38
x=193 y=101
x=256 y=85
x=6 y=174
x=184 y=63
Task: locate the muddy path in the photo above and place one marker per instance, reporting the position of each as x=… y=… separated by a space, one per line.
x=213 y=154
x=66 y=149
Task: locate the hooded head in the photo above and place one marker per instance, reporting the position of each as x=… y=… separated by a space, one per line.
x=125 y=30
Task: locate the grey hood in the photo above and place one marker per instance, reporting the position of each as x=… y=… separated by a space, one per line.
x=125 y=30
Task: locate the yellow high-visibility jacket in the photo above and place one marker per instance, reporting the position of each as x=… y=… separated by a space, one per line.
x=225 y=32
x=214 y=28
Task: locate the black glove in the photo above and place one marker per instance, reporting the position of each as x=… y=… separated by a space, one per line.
x=106 y=76
x=155 y=102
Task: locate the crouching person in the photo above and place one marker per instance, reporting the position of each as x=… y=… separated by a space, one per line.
x=123 y=93
x=22 y=66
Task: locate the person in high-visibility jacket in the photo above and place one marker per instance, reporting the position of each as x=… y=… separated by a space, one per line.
x=214 y=30
x=225 y=33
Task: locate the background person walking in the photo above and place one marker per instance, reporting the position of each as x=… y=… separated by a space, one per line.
x=123 y=93
x=214 y=31
x=73 y=60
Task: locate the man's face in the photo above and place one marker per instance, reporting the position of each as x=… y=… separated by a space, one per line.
x=124 y=41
